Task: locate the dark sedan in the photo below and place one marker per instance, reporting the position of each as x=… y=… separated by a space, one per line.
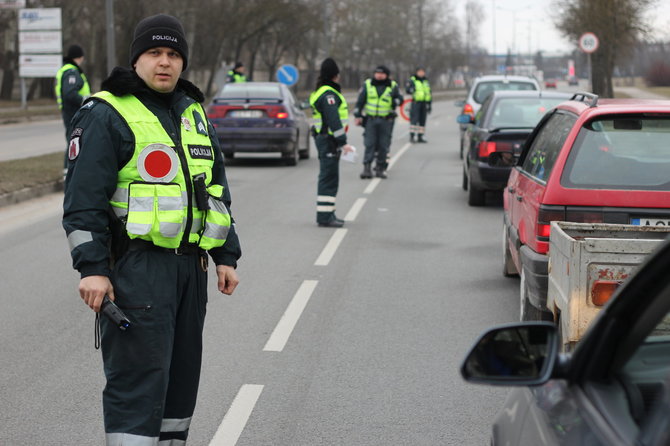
x=257 y=117
x=614 y=389
x=501 y=125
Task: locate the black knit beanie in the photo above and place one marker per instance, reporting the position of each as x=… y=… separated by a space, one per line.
x=383 y=69
x=329 y=69
x=74 y=51
x=159 y=30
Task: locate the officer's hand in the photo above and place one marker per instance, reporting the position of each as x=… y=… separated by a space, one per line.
x=428 y=108
x=228 y=279
x=93 y=289
x=347 y=148
x=359 y=121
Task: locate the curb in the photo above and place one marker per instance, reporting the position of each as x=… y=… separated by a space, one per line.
x=28 y=193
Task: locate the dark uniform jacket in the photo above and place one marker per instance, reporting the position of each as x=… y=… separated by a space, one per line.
x=380 y=86
x=328 y=104
x=71 y=83
x=106 y=144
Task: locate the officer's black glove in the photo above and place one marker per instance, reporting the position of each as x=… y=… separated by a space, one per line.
x=428 y=107
x=392 y=115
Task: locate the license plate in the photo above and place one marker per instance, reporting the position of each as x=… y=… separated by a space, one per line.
x=246 y=113
x=650 y=221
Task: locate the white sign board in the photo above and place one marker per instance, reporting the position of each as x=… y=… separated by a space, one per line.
x=39 y=19
x=37 y=65
x=588 y=42
x=36 y=42
x=10 y=4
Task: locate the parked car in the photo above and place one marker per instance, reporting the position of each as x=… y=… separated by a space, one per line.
x=502 y=125
x=588 y=161
x=573 y=80
x=253 y=117
x=483 y=86
x=613 y=390
x=550 y=83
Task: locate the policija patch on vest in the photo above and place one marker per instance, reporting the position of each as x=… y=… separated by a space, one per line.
x=74 y=146
x=200 y=152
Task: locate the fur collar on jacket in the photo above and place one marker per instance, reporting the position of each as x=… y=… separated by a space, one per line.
x=123 y=81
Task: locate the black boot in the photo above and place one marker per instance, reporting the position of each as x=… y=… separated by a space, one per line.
x=411 y=137
x=421 y=138
x=380 y=171
x=367 y=171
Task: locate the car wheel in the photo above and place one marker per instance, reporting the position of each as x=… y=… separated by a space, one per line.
x=508 y=267
x=528 y=311
x=304 y=153
x=476 y=197
x=291 y=158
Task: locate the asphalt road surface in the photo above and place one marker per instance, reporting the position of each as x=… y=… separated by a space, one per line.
x=334 y=337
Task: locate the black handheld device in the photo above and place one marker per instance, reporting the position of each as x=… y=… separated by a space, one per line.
x=114 y=314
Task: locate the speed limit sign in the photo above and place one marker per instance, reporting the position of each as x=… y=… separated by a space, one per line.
x=588 y=42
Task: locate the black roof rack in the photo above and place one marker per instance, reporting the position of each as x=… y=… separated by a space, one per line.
x=586 y=97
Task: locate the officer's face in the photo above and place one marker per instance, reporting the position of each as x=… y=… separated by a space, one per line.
x=420 y=73
x=380 y=76
x=160 y=68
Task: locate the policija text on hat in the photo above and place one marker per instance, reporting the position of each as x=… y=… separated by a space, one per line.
x=146 y=204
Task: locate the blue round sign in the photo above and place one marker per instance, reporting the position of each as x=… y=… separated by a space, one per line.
x=288 y=74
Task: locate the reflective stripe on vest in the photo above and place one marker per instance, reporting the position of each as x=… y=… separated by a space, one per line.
x=84 y=91
x=376 y=105
x=157 y=209
x=343 y=110
x=237 y=77
x=421 y=90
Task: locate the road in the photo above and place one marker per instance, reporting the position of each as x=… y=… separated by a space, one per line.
x=32 y=139
x=375 y=317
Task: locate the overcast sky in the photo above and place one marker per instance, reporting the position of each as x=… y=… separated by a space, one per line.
x=534 y=27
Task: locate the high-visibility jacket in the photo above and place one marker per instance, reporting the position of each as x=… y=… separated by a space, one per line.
x=84 y=91
x=342 y=110
x=237 y=77
x=421 y=90
x=158 y=203
x=376 y=105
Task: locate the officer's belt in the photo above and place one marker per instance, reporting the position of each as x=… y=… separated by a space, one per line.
x=143 y=245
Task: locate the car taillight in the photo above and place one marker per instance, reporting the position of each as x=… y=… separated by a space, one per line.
x=276 y=112
x=468 y=110
x=217 y=111
x=488 y=147
x=602 y=291
x=545 y=216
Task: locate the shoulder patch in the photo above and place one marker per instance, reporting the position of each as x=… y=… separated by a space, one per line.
x=74 y=146
x=330 y=99
x=71 y=80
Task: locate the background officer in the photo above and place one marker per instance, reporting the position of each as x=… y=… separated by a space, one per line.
x=330 y=113
x=146 y=199
x=71 y=87
x=377 y=100
x=419 y=88
x=236 y=74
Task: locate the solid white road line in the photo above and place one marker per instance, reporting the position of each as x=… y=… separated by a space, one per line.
x=330 y=248
x=355 y=209
x=237 y=416
x=287 y=323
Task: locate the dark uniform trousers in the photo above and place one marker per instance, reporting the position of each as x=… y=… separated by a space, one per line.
x=377 y=139
x=329 y=177
x=418 y=113
x=155 y=364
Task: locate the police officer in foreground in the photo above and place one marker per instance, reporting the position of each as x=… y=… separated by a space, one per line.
x=236 y=74
x=71 y=87
x=330 y=114
x=375 y=110
x=419 y=87
x=146 y=200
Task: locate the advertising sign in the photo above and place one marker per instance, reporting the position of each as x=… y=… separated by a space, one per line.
x=39 y=19
x=38 y=65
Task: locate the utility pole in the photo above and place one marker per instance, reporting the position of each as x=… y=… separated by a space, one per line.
x=111 y=44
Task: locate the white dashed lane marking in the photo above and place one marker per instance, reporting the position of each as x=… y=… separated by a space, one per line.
x=237 y=416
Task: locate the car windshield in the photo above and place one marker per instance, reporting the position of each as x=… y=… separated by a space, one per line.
x=249 y=90
x=484 y=89
x=621 y=153
x=520 y=112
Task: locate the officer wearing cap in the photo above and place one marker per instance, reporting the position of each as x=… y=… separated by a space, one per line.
x=419 y=87
x=146 y=202
x=71 y=86
x=236 y=74
x=330 y=114
x=375 y=110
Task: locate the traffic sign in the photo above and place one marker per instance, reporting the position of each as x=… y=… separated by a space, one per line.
x=588 y=42
x=288 y=74
x=404 y=108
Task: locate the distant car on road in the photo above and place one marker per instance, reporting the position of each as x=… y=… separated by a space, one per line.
x=502 y=125
x=572 y=80
x=614 y=389
x=587 y=161
x=260 y=117
x=483 y=86
x=550 y=83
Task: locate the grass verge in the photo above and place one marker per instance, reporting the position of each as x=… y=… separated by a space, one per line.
x=29 y=172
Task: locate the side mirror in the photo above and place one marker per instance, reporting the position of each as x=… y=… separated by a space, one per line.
x=460 y=103
x=519 y=354
x=465 y=119
x=502 y=159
